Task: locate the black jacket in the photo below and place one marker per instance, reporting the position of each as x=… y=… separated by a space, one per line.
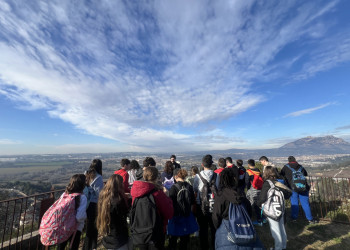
x=173 y=194
x=286 y=173
x=266 y=187
x=176 y=165
x=222 y=204
x=249 y=178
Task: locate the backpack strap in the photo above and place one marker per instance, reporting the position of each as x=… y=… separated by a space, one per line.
x=301 y=168
x=205 y=182
x=293 y=170
x=271 y=183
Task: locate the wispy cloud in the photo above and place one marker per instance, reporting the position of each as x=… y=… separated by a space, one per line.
x=308 y=111
x=139 y=72
x=347 y=127
x=9 y=142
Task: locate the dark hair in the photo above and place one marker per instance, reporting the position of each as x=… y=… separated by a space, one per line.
x=173 y=156
x=168 y=168
x=263 y=158
x=239 y=163
x=229 y=159
x=207 y=161
x=124 y=162
x=251 y=162
x=96 y=164
x=134 y=164
x=227 y=178
x=291 y=159
x=181 y=173
x=195 y=169
x=150 y=174
x=76 y=184
x=270 y=173
x=149 y=162
x=222 y=163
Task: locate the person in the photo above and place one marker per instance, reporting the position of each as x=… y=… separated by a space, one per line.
x=265 y=162
x=123 y=172
x=112 y=213
x=253 y=191
x=166 y=177
x=241 y=176
x=221 y=164
x=277 y=228
x=95 y=181
x=204 y=220
x=147 y=162
x=194 y=171
x=227 y=195
x=76 y=185
x=303 y=196
x=173 y=161
x=183 y=222
x=134 y=167
x=163 y=203
x=229 y=164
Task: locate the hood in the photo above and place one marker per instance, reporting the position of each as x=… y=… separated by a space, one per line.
x=294 y=165
x=232 y=196
x=207 y=174
x=140 y=188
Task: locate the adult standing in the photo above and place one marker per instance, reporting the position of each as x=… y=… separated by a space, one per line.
x=173 y=161
x=265 y=162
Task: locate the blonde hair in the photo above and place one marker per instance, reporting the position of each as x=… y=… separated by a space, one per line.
x=112 y=191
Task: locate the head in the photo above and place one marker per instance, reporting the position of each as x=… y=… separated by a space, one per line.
x=239 y=163
x=150 y=174
x=251 y=163
x=222 y=163
x=180 y=174
x=173 y=158
x=125 y=164
x=264 y=160
x=149 y=162
x=270 y=173
x=134 y=164
x=207 y=161
x=168 y=168
x=113 y=191
x=291 y=159
x=76 y=184
x=194 y=170
x=227 y=178
x=96 y=164
x=228 y=161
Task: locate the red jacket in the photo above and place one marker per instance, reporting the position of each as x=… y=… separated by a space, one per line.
x=123 y=173
x=164 y=203
x=218 y=171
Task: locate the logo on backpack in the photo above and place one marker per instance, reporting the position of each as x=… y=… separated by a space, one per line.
x=257 y=182
x=183 y=200
x=207 y=194
x=59 y=222
x=298 y=179
x=168 y=183
x=145 y=222
x=275 y=203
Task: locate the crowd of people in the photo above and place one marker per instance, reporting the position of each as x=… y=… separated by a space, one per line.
x=138 y=207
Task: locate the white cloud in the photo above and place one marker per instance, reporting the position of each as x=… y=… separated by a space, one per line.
x=9 y=142
x=308 y=111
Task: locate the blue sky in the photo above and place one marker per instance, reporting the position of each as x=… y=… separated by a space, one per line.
x=171 y=76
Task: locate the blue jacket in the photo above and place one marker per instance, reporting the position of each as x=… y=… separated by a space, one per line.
x=96 y=185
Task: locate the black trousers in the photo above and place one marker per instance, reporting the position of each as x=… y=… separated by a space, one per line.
x=90 y=241
x=184 y=240
x=75 y=244
x=205 y=222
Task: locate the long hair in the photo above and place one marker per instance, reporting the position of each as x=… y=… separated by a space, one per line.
x=168 y=168
x=96 y=164
x=227 y=178
x=270 y=173
x=76 y=184
x=134 y=164
x=112 y=192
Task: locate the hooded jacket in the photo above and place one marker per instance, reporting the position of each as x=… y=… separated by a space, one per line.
x=198 y=184
x=266 y=187
x=287 y=173
x=222 y=204
x=164 y=203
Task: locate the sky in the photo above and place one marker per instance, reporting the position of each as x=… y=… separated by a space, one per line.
x=171 y=76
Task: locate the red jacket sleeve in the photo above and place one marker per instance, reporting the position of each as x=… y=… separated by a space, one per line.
x=164 y=206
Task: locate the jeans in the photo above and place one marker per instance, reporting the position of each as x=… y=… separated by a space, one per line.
x=304 y=201
x=278 y=232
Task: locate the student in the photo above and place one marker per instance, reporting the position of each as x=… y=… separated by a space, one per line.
x=147 y=162
x=134 y=167
x=163 y=203
x=229 y=164
x=123 y=172
x=194 y=171
x=183 y=222
x=173 y=161
x=277 y=227
x=112 y=213
x=227 y=195
x=253 y=182
x=241 y=175
x=167 y=175
x=205 y=220
x=221 y=164
x=95 y=181
x=297 y=195
x=265 y=162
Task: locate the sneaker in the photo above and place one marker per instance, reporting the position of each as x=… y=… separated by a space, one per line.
x=313 y=221
x=258 y=223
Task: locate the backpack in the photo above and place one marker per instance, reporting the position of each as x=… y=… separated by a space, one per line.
x=59 y=222
x=240 y=229
x=146 y=225
x=168 y=183
x=183 y=200
x=298 y=180
x=274 y=206
x=257 y=182
x=241 y=173
x=207 y=194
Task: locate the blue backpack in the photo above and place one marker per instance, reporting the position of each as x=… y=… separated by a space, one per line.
x=298 y=180
x=240 y=229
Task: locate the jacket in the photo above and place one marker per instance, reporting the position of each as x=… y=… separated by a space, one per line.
x=249 y=177
x=165 y=175
x=164 y=203
x=286 y=173
x=198 y=184
x=266 y=187
x=96 y=185
x=174 y=190
x=222 y=204
x=123 y=173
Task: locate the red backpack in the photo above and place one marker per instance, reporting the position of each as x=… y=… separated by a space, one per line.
x=257 y=182
x=59 y=222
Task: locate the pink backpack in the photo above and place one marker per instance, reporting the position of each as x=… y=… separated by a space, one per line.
x=59 y=222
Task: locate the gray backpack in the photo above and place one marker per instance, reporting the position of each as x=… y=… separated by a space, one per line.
x=274 y=206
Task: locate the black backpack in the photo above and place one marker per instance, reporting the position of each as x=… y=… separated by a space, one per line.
x=145 y=223
x=207 y=194
x=299 y=183
x=183 y=199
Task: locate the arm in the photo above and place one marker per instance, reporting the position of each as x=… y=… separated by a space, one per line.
x=247 y=180
x=217 y=214
x=263 y=194
x=81 y=211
